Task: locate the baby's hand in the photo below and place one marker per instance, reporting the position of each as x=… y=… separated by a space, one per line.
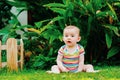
x=65 y=70
x=79 y=70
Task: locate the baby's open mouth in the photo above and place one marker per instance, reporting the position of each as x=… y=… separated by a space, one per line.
x=68 y=41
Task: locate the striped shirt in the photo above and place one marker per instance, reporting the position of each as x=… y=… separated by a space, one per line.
x=71 y=60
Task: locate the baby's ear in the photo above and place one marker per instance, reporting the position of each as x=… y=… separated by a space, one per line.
x=79 y=38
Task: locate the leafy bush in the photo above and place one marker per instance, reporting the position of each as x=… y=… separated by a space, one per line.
x=4 y=13
x=97 y=19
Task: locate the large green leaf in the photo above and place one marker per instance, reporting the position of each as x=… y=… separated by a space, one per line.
x=20 y=4
x=4 y=31
x=39 y=24
x=55 y=5
x=4 y=38
x=55 y=35
x=43 y=28
x=113 y=51
x=58 y=10
x=108 y=40
x=56 y=19
x=50 y=23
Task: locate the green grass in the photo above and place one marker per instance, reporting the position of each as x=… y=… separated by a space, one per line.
x=106 y=73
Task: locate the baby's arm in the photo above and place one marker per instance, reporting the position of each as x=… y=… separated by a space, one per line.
x=81 y=63
x=60 y=65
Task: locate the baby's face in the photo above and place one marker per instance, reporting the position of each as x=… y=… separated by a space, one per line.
x=71 y=37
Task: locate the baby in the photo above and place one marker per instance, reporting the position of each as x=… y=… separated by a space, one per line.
x=71 y=55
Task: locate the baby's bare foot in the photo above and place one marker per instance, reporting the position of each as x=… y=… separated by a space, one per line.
x=93 y=71
x=52 y=72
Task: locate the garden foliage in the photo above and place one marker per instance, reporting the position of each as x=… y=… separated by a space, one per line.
x=98 y=21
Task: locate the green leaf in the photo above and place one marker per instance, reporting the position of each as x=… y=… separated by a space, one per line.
x=4 y=38
x=4 y=31
x=81 y=6
x=108 y=40
x=56 y=19
x=89 y=7
x=70 y=10
x=39 y=64
x=102 y=14
x=64 y=1
x=113 y=51
x=50 y=52
x=42 y=29
x=20 y=4
x=55 y=5
x=90 y=19
x=114 y=16
x=113 y=28
x=55 y=35
x=24 y=26
x=117 y=4
x=39 y=24
x=80 y=3
x=58 y=10
x=98 y=4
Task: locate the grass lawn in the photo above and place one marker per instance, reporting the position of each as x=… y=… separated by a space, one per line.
x=106 y=73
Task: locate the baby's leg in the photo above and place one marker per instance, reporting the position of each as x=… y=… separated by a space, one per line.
x=88 y=68
x=55 y=69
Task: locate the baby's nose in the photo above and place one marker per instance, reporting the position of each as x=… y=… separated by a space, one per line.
x=69 y=37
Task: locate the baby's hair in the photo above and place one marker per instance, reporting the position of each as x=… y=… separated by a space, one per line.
x=71 y=27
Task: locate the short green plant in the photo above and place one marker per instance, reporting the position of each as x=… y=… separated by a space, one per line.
x=106 y=73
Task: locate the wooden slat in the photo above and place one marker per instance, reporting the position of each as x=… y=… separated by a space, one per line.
x=3 y=47
x=21 y=52
x=12 y=49
x=12 y=54
x=4 y=64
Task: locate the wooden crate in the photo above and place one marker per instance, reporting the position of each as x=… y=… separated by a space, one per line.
x=12 y=50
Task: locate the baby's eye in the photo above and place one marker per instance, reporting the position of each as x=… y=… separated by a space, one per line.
x=66 y=35
x=72 y=35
